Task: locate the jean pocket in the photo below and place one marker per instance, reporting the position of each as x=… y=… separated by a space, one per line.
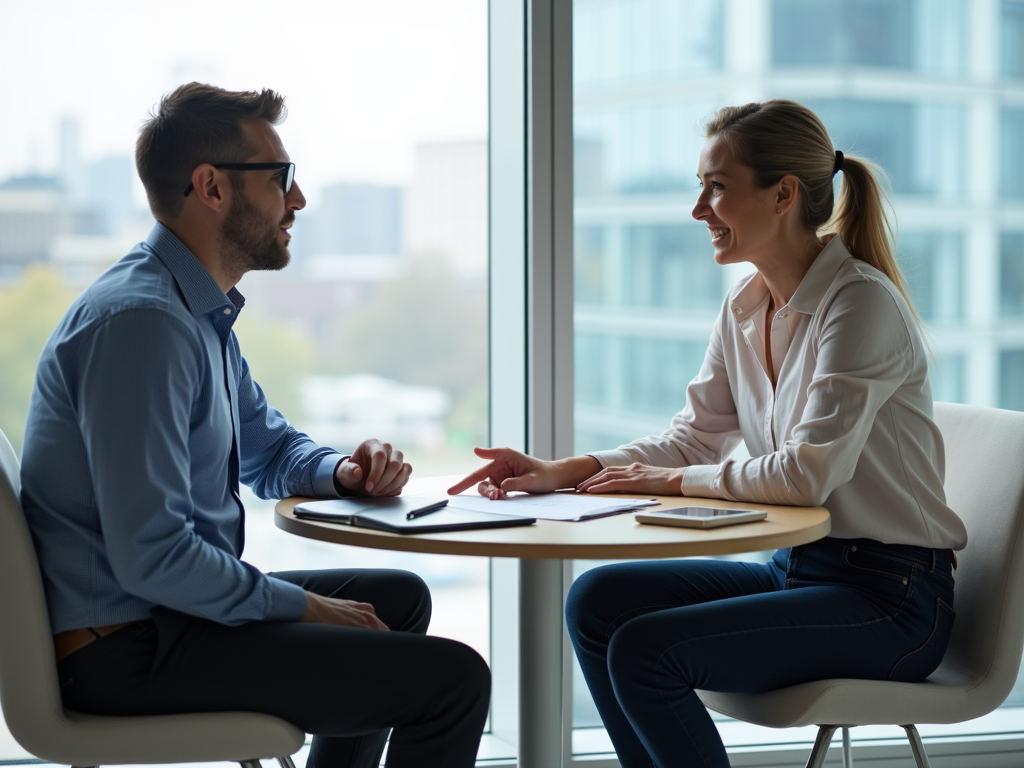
x=922 y=661
x=871 y=562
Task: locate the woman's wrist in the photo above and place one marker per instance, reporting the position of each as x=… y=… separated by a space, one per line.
x=575 y=469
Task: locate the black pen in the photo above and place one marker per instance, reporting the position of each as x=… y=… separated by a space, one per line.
x=426 y=510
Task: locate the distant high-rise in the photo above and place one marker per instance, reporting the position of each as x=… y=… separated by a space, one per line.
x=446 y=213
x=71 y=171
x=353 y=220
x=109 y=190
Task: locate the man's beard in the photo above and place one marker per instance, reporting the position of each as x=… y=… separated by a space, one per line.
x=249 y=237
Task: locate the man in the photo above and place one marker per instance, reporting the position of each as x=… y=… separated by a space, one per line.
x=144 y=419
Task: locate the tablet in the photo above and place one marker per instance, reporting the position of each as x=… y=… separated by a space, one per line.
x=699 y=517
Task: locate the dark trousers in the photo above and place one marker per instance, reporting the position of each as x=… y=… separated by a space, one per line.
x=648 y=634
x=344 y=685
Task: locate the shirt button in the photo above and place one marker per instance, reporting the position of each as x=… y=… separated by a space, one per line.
x=736 y=310
x=227 y=311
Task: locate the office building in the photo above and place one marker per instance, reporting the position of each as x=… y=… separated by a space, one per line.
x=353 y=219
x=933 y=90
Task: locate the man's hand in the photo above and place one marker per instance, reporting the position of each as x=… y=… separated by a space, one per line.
x=375 y=469
x=342 y=613
x=635 y=478
x=511 y=470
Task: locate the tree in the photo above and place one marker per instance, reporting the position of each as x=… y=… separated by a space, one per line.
x=427 y=327
x=278 y=358
x=29 y=311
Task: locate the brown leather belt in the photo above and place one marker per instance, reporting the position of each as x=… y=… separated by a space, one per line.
x=66 y=643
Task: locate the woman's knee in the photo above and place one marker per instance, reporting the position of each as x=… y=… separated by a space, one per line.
x=630 y=649
x=587 y=596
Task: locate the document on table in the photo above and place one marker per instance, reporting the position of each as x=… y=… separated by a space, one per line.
x=571 y=507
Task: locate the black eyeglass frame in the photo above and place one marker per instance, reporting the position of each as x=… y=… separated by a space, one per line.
x=286 y=180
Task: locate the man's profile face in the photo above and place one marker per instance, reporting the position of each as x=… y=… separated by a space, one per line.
x=254 y=233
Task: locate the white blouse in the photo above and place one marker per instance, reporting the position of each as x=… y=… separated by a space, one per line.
x=848 y=425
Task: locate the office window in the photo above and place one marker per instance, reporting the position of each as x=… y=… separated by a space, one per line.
x=932 y=263
x=919 y=144
x=1011 y=39
x=1011 y=274
x=378 y=328
x=948 y=373
x=1011 y=374
x=635 y=148
x=621 y=43
x=922 y=35
x=1011 y=145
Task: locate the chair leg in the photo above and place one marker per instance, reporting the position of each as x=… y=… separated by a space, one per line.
x=285 y=762
x=250 y=764
x=917 y=746
x=820 y=749
x=847 y=752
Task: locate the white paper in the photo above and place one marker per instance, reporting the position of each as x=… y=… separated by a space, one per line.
x=550 y=506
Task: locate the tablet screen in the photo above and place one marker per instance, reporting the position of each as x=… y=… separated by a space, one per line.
x=704 y=512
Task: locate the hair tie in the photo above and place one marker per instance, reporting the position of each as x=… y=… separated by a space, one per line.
x=839 y=163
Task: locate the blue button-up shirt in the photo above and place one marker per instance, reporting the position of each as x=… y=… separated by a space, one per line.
x=143 y=419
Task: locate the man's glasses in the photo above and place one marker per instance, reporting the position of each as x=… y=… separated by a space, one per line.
x=287 y=178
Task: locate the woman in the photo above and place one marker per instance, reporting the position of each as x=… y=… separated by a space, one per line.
x=817 y=362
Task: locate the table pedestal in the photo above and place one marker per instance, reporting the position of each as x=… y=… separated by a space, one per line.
x=540 y=664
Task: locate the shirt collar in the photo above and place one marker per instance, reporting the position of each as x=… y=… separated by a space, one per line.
x=201 y=292
x=808 y=294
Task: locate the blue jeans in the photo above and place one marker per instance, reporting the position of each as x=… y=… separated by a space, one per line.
x=648 y=633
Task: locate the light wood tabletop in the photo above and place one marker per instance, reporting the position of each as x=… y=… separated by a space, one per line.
x=615 y=537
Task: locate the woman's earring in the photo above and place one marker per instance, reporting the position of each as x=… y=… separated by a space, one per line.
x=778 y=210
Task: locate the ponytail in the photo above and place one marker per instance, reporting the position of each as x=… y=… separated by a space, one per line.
x=860 y=219
x=779 y=137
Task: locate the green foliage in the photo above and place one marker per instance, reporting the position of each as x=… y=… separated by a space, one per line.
x=29 y=311
x=279 y=358
x=467 y=423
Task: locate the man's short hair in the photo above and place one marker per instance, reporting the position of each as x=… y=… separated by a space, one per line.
x=196 y=124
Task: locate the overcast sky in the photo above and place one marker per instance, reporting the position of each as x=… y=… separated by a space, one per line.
x=365 y=80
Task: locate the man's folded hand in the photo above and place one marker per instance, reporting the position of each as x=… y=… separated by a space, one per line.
x=342 y=613
x=374 y=469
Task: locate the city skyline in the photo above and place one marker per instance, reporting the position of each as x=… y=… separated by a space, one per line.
x=358 y=103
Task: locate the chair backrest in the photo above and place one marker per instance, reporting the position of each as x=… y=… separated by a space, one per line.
x=29 y=689
x=985 y=487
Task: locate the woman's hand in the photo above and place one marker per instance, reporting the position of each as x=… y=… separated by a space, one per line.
x=511 y=470
x=635 y=478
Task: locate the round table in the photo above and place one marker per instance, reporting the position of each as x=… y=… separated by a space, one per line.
x=541 y=550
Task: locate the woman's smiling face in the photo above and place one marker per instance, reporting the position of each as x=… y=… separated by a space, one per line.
x=741 y=218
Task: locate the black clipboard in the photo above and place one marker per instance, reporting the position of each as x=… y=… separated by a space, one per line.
x=390 y=514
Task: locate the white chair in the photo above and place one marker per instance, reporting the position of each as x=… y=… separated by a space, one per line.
x=985 y=486
x=31 y=699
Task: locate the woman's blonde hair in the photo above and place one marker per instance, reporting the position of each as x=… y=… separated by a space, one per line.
x=777 y=138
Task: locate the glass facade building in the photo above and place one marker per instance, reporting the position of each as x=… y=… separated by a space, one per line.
x=932 y=90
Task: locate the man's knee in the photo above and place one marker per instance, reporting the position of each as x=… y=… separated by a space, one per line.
x=411 y=593
x=463 y=672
